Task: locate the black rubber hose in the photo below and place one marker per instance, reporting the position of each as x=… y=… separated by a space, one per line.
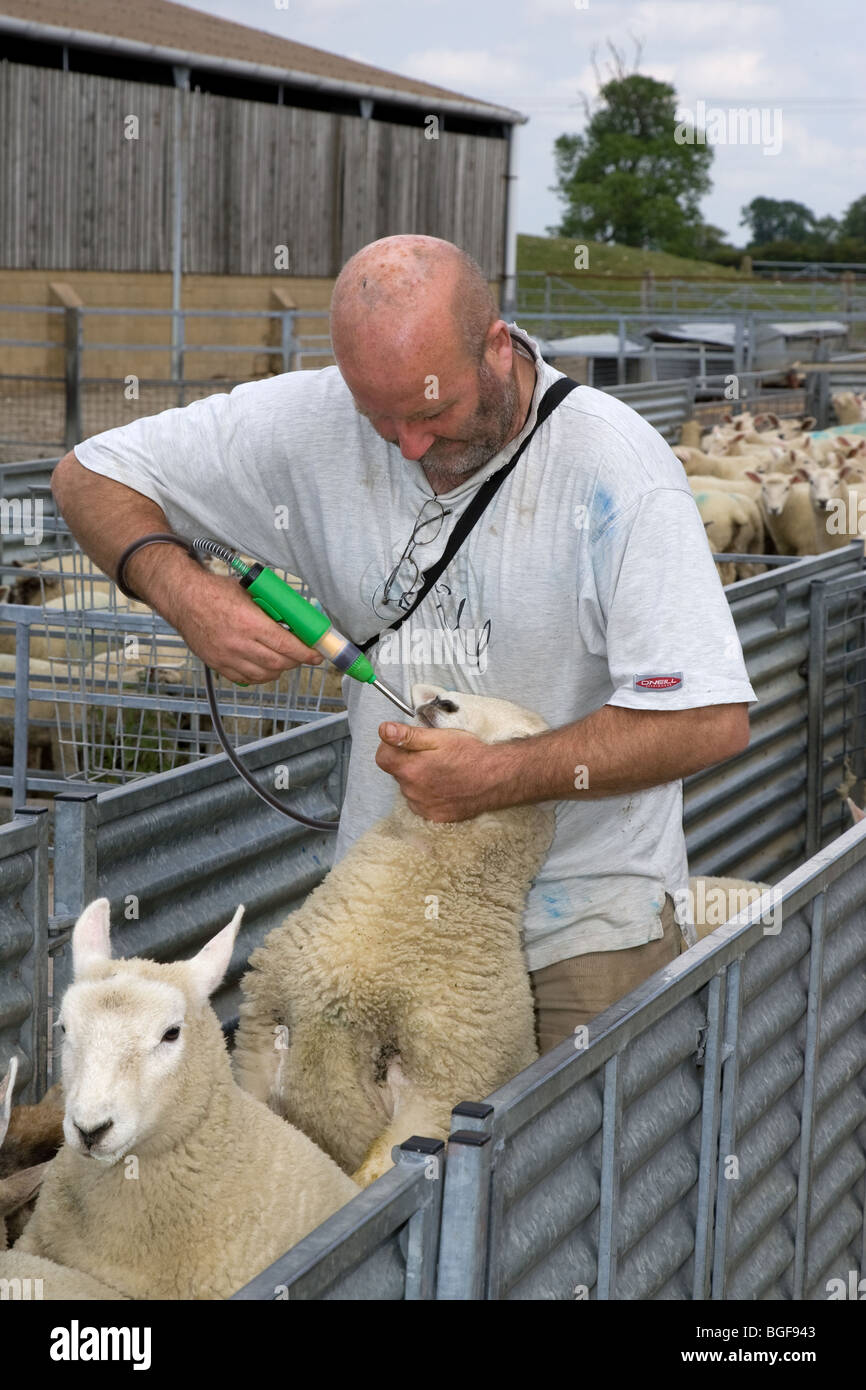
x=239 y=768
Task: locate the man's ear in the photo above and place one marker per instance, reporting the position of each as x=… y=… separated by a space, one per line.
x=91 y=941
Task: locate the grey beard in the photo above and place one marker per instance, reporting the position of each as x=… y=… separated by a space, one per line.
x=494 y=419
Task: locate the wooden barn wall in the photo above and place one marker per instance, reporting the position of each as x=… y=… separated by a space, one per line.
x=75 y=194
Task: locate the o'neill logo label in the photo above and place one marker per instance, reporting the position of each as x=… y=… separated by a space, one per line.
x=650 y=682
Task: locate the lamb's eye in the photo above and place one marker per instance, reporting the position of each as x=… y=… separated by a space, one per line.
x=448 y=706
x=171 y=1034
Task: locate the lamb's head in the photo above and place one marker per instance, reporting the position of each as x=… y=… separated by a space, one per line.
x=823 y=482
x=775 y=489
x=490 y=720
x=141 y=1044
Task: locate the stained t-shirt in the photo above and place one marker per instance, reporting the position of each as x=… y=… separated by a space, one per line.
x=588 y=581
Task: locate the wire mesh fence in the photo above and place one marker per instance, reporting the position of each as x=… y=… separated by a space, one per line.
x=95 y=687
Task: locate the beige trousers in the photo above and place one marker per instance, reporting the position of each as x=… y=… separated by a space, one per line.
x=575 y=991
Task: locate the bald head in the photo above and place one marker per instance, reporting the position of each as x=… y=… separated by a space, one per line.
x=409 y=294
x=425 y=355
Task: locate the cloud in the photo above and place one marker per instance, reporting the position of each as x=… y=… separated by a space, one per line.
x=683 y=20
x=476 y=70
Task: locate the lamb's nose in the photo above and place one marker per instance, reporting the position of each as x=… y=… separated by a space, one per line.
x=89 y=1137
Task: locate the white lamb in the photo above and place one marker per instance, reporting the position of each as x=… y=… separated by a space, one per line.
x=399 y=987
x=733 y=524
x=173 y=1182
x=787 y=511
x=850 y=407
x=723 y=466
x=29 y=1276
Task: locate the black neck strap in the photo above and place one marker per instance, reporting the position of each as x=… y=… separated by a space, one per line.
x=485 y=494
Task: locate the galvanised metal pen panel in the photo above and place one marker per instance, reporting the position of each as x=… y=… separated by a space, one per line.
x=748 y=815
x=24 y=949
x=796 y=1105
x=837 y=705
x=707 y=1139
x=380 y=1246
x=27 y=501
x=665 y=404
x=177 y=852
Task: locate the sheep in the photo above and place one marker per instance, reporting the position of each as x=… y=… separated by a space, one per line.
x=33 y=1136
x=850 y=407
x=173 y=1182
x=707 y=482
x=787 y=511
x=23 y=1275
x=712 y=465
x=399 y=987
x=43 y=743
x=733 y=523
x=715 y=900
x=690 y=434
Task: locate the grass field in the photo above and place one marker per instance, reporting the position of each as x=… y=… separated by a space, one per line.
x=555 y=255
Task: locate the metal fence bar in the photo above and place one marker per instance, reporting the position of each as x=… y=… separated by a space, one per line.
x=810 y=1080
x=708 y=1175
x=21 y=714
x=463 y=1244
x=24 y=979
x=72 y=362
x=816 y=687
x=727 y=1125
x=608 y=1207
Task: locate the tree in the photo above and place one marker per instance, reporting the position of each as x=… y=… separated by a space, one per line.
x=626 y=179
x=770 y=219
x=853 y=222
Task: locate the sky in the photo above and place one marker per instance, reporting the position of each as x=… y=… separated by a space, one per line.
x=800 y=63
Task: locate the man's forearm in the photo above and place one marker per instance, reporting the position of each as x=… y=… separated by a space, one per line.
x=105 y=517
x=614 y=751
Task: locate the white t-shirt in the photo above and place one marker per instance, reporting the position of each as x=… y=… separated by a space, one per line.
x=588 y=573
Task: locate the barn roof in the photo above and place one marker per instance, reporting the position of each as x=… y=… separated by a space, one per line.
x=159 y=29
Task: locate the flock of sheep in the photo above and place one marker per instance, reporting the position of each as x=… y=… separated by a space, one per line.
x=768 y=486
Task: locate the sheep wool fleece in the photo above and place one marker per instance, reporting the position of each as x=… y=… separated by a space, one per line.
x=399 y=987
x=211 y=1201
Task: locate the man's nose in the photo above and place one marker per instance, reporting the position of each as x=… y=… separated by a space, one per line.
x=414 y=440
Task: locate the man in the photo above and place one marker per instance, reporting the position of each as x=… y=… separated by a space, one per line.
x=586 y=591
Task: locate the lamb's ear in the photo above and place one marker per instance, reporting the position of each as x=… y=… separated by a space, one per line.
x=7 y=1086
x=753 y=475
x=19 y=1187
x=210 y=965
x=91 y=940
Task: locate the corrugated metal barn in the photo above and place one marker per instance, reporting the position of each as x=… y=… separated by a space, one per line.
x=263 y=142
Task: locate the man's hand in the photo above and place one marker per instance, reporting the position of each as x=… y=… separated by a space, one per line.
x=221 y=623
x=444 y=774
